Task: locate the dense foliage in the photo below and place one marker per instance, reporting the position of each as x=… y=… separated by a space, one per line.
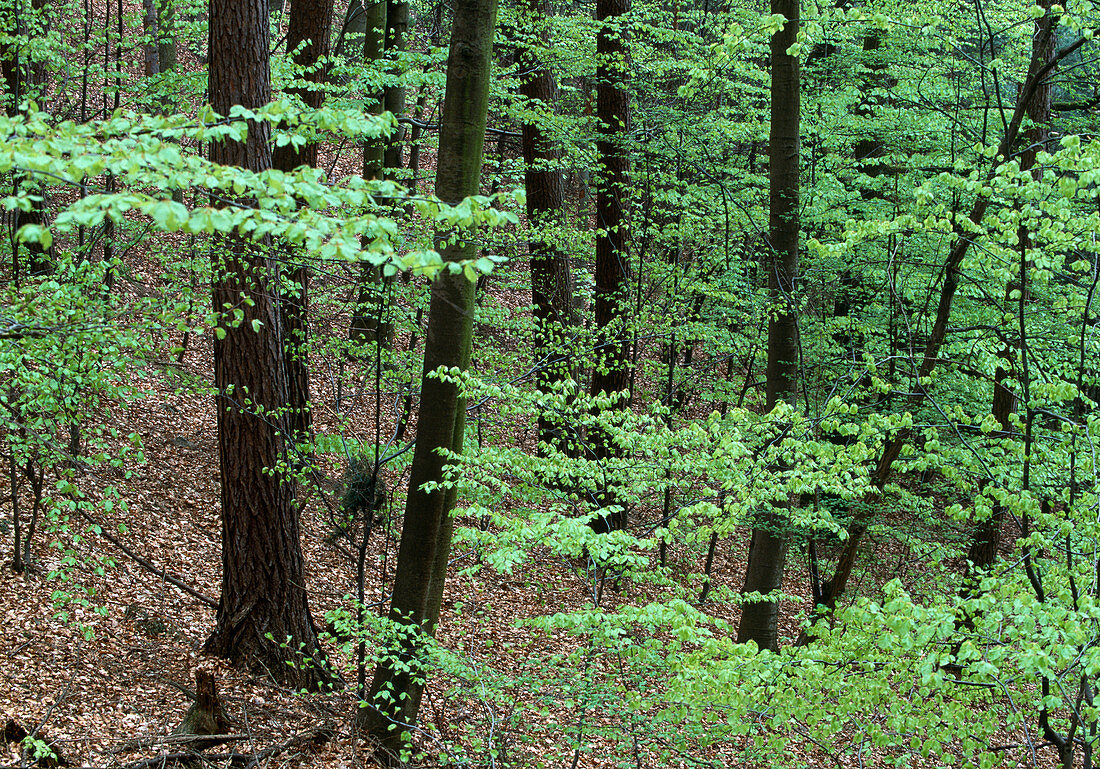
x=941 y=436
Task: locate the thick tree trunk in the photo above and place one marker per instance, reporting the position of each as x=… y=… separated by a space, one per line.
x=610 y=371
x=551 y=277
x=310 y=22
x=768 y=549
x=263 y=620
x=425 y=539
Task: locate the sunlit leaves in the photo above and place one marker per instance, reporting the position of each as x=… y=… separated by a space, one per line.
x=328 y=218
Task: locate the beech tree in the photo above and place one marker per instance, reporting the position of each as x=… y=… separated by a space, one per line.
x=768 y=548
x=1042 y=63
x=987 y=533
x=263 y=619
x=394 y=698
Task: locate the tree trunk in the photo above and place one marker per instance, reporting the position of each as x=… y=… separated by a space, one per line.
x=610 y=372
x=551 y=277
x=768 y=548
x=150 y=26
x=263 y=620
x=425 y=539
x=26 y=80
x=1038 y=71
x=166 y=41
x=987 y=535
x=367 y=324
x=393 y=100
x=310 y=20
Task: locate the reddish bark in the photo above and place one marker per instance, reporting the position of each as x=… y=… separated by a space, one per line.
x=263 y=619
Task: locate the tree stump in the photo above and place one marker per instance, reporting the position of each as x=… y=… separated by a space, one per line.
x=206 y=714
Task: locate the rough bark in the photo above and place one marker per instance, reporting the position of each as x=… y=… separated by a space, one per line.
x=551 y=277
x=768 y=548
x=610 y=372
x=425 y=538
x=263 y=619
x=310 y=23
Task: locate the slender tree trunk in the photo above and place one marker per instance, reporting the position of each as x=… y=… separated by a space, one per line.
x=768 y=548
x=310 y=23
x=367 y=322
x=610 y=373
x=425 y=539
x=17 y=564
x=1038 y=71
x=551 y=277
x=987 y=535
x=263 y=619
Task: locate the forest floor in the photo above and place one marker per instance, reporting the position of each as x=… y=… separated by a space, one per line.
x=108 y=690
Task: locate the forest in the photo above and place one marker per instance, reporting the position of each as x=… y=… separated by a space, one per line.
x=609 y=383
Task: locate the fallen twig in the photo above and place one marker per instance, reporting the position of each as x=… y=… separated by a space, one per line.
x=318 y=735
x=150 y=567
x=175 y=739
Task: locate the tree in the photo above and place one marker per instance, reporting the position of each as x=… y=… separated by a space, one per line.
x=394 y=696
x=263 y=619
x=768 y=548
x=393 y=100
x=366 y=320
x=26 y=80
x=610 y=372
x=551 y=277
x=987 y=534
x=1038 y=72
x=307 y=40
